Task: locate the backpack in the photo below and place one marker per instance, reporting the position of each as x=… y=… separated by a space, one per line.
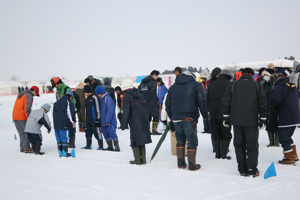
x=76 y=96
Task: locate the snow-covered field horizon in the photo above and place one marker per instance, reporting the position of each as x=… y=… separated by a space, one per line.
x=94 y=174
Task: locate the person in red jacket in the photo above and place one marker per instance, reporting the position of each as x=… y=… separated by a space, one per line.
x=21 y=111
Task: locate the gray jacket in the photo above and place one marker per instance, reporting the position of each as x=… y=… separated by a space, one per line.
x=294 y=78
x=36 y=120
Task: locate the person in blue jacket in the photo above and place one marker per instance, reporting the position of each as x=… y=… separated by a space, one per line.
x=93 y=124
x=161 y=91
x=108 y=119
x=64 y=120
x=288 y=118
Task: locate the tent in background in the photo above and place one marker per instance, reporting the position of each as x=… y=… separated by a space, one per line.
x=9 y=87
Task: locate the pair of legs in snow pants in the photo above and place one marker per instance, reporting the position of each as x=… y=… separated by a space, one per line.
x=24 y=141
x=110 y=135
x=91 y=129
x=246 y=149
x=186 y=130
x=221 y=138
x=289 y=148
x=62 y=138
x=36 y=141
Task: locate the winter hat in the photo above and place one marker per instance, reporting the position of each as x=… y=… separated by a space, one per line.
x=100 y=90
x=266 y=73
x=55 y=80
x=271 y=66
x=215 y=71
x=88 y=89
x=205 y=74
x=47 y=106
x=90 y=77
x=70 y=93
x=36 y=89
x=260 y=71
x=127 y=84
x=248 y=71
x=226 y=72
x=107 y=81
x=271 y=71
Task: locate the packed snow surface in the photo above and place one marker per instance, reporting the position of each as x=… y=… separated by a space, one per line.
x=95 y=174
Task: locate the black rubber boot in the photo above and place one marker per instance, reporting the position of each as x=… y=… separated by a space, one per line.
x=276 y=143
x=109 y=145
x=271 y=139
x=72 y=142
x=116 y=144
x=100 y=144
x=192 y=159
x=143 y=154
x=181 y=156
x=137 y=156
x=65 y=150
x=38 y=150
x=33 y=148
x=88 y=144
x=217 y=147
x=154 y=128
x=224 y=149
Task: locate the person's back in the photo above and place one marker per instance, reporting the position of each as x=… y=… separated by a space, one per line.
x=61 y=110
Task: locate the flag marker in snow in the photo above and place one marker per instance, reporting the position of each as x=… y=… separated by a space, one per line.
x=270 y=172
x=51 y=102
x=73 y=153
x=15 y=137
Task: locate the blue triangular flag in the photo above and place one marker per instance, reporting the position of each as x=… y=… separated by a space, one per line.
x=270 y=171
x=73 y=153
x=15 y=137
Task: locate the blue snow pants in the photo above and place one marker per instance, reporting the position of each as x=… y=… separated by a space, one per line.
x=62 y=136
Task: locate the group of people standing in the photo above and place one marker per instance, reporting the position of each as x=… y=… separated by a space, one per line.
x=224 y=100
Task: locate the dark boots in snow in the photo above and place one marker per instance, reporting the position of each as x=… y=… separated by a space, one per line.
x=33 y=147
x=295 y=152
x=276 y=143
x=116 y=144
x=65 y=150
x=37 y=150
x=100 y=144
x=192 y=160
x=271 y=139
x=181 y=157
x=137 y=156
x=109 y=143
x=72 y=142
x=217 y=147
x=288 y=159
x=154 y=129
x=224 y=149
x=88 y=144
x=143 y=154
x=59 y=147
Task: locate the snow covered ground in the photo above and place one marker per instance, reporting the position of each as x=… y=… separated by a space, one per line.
x=97 y=174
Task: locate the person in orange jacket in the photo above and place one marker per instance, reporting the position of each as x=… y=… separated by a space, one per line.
x=21 y=111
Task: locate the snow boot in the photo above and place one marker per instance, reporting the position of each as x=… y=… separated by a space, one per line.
x=38 y=150
x=137 y=156
x=81 y=128
x=271 y=139
x=212 y=142
x=100 y=144
x=154 y=129
x=109 y=145
x=276 y=143
x=295 y=152
x=224 y=149
x=59 y=147
x=29 y=150
x=181 y=157
x=143 y=154
x=65 y=150
x=288 y=159
x=88 y=144
x=72 y=142
x=192 y=159
x=116 y=144
x=217 y=147
x=33 y=148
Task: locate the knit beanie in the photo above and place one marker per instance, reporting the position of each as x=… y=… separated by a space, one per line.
x=215 y=71
x=107 y=81
x=88 y=89
x=271 y=71
x=46 y=106
x=100 y=90
x=226 y=72
x=70 y=93
x=248 y=71
x=271 y=66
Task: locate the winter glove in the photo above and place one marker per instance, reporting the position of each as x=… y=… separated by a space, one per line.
x=262 y=123
x=171 y=125
x=226 y=121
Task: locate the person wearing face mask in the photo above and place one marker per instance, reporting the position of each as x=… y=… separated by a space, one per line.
x=267 y=86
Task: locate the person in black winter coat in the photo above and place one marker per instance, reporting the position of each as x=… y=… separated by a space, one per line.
x=110 y=90
x=186 y=96
x=136 y=114
x=148 y=88
x=221 y=135
x=288 y=118
x=244 y=100
x=64 y=120
x=93 y=124
x=94 y=83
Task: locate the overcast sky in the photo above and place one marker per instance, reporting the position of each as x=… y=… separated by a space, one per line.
x=76 y=38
